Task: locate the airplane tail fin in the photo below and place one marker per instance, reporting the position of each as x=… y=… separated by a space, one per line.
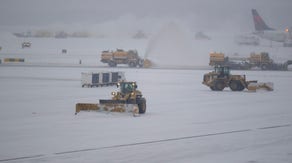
x=259 y=23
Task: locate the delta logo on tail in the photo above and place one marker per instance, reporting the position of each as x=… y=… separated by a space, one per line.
x=266 y=32
x=259 y=23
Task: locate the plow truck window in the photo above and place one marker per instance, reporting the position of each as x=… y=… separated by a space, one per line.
x=127 y=87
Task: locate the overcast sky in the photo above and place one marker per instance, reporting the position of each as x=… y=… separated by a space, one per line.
x=196 y=13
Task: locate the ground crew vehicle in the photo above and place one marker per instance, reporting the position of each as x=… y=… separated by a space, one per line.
x=99 y=79
x=264 y=61
x=220 y=78
x=128 y=99
x=13 y=60
x=113 y=58
x=233 y=63
x=25 y=45
x=261 y=60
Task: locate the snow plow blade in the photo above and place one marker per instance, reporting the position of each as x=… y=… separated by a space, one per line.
x=109 y=106
x=260 y=86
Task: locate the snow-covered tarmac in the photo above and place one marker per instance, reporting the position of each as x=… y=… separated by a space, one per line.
x=185 y=121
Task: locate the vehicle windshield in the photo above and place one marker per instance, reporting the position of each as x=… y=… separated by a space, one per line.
x=218 y=69
x=226 y=70
x=222 y=70
x=127 y=87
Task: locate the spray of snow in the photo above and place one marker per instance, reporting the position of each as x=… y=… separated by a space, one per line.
x=171 y=46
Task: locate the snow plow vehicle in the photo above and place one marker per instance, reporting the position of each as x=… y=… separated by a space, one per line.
x=128 y=99
x=220 y=78
x=130 y=57
x=261 y=60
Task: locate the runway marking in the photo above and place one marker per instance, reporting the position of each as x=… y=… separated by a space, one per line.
x=145 y=142
x=152 y=142
x=271 y=127
x=21 y=158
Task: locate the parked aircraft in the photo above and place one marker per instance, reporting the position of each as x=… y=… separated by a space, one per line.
x=266 y=32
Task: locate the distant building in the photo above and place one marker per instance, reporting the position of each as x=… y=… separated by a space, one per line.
x=139 y=35
x=61 y=34
x=201 y=36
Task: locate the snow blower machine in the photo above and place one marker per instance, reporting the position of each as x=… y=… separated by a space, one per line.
x=220 y=78
x=128 y=99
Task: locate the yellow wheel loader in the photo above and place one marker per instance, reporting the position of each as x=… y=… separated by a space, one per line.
x=128 y=99
x=220 y=78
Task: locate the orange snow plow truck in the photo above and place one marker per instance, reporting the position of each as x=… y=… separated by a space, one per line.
x=130 y=57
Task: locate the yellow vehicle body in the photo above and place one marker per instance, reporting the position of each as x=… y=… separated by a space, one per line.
x=216 y=58
x=221 y=78
x=128 y=99
x=130 y=57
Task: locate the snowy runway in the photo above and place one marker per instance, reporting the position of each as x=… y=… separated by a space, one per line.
x=185 y=121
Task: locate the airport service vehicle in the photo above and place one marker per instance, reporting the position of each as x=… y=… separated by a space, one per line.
x=99 y=79
x=221 y=78
x=120 y=56
x=261 y=60
x=127 y=100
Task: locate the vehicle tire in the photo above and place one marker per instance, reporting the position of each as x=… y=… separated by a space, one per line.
x=142 y=105
x=112 y=64
x=241 y=87
x=132 y=64
x=236 y=85
x=264 y=66
x=219 y=86
x=212 y=88
x=141 y=63
x=131 y=52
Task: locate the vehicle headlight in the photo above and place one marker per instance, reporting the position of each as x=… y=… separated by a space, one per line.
x=114 y=93
x=139 y=96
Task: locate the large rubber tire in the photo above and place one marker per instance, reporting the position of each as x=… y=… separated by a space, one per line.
x=236 y=85
x=112 y=64
x=132 y=64
x=241 y=87
x=264 y=66
x=219 y=86
x=142 y=105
